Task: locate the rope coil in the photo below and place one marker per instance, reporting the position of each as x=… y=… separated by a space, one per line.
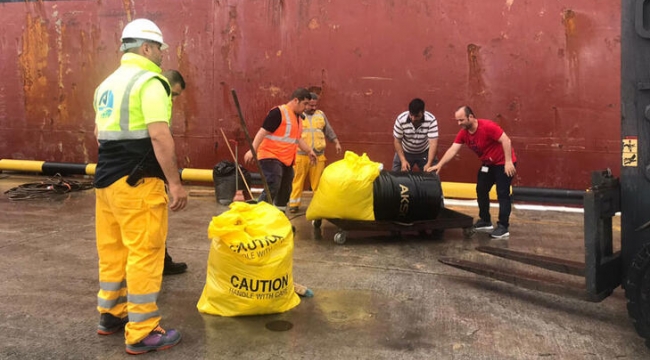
x=49 y=188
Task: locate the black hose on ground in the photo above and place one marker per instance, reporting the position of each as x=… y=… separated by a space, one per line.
x=50 y=188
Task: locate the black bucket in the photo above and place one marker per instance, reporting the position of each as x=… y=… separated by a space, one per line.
x=223 y=176
x=406 y=197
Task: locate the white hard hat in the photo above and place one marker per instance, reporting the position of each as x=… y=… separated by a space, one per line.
x=143 y=29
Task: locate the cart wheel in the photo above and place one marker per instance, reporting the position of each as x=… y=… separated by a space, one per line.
x=637 y=289
x=340 y=237
x=468 y=232
x=316 y=223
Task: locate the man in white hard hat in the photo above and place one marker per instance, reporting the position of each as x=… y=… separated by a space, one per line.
x=137 y=159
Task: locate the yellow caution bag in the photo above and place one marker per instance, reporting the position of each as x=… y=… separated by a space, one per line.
x=250 y=263
x=345 y=190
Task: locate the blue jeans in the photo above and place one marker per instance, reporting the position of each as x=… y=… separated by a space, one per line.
x=279 y=178
x=419 y=159
x=496 y=174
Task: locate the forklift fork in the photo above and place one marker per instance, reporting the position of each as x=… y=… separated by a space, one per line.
x=601 y=269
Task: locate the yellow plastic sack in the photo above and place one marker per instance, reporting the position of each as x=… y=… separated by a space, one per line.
x=250 y=263
x=345 y=190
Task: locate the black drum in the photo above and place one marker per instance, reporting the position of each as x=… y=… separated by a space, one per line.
x=406 y=197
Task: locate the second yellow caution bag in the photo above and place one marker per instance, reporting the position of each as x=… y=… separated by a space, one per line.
x=345 y=190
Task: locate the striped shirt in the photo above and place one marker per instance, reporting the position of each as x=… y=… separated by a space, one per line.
x=415 y=141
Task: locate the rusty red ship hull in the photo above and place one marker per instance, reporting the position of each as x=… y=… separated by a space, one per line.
x=547 y=71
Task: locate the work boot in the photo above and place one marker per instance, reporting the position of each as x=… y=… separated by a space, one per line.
x=501 y=232
x=483 y=226
x=174 y=268
x=109 y=324
x=157 y=340
x=293 y=209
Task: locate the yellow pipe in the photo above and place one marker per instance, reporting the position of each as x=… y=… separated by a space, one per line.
x=449 y=189
x=21 y=165
x=455 y=190
x=196 y=175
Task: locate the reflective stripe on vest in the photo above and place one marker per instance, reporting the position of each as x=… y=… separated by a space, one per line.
x=287 y=132
x=125 y=133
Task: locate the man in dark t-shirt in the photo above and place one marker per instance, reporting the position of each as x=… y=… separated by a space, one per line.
x=493 y=147
x=276 y=143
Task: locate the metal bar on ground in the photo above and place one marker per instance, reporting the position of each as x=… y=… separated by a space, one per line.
x=546 y=262
x=533 y=282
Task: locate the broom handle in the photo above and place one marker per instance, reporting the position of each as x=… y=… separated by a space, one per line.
x=236 y=164
x=250 y=144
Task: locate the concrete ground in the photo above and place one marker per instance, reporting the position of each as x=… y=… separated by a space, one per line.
x=376 y=297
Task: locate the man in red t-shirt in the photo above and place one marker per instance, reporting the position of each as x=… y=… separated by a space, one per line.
x=493 y=147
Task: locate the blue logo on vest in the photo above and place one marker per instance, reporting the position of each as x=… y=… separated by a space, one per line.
x=105 y=105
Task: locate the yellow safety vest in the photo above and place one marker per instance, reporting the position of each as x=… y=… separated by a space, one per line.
x=313 y=132
x=117 y=100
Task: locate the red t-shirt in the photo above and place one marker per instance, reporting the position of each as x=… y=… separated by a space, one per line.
x=485 y=142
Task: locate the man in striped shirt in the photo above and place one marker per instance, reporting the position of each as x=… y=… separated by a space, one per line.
x=415 y=138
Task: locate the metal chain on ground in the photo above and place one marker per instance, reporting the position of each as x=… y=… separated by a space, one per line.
x=50 y=188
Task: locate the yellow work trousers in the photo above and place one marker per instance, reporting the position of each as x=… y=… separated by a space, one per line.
x=303 y=168
x=131 y=229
